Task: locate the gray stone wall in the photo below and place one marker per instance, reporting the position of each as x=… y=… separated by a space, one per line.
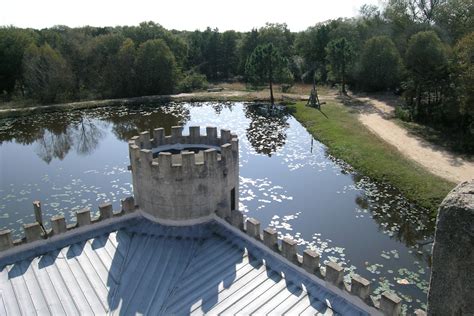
x=452 y=275
x=188 y=189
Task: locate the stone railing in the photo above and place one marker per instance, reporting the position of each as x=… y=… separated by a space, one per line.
x=389 y=303
x=36 y=231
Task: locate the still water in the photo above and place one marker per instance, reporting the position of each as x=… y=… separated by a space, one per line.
x=287 y=181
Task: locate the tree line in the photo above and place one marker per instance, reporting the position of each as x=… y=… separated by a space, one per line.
x=421 y=49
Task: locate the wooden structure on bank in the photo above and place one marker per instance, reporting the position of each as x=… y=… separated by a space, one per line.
x=313 y=100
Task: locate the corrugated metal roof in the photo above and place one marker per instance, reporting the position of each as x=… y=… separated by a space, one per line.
x=153 y=269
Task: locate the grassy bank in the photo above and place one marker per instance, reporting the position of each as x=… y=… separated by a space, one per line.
x=348 y=139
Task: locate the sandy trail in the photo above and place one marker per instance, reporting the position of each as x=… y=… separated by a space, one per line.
x=438 y=161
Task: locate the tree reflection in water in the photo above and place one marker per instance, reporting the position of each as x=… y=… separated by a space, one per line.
x=128 y=122
x=83 y=133
x=51 y=145
x=55 y=134
x=267 y=130
x=410 y=225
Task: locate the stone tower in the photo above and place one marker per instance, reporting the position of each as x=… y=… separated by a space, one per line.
x=185 y=177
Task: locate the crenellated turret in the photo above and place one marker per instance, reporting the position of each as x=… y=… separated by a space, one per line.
x=183 y=177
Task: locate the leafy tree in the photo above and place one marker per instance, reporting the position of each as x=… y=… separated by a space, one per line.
x=121 y=81
x=427 y=61
x=279 y=35
x=13 y=43
x=380 y=65
x=266 y=64
x=47 y=77
x=464 y=68
x=151 y=30
x=229 y=57
x=456 y=17
x=195 y=43
x=371 y=23
x=211 y=53
x=156 y=69
x=100 y=63
x=248 y=45
x=340 y=55
x=310 y=45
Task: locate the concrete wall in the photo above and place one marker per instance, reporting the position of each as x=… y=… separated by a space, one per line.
x=191 y=189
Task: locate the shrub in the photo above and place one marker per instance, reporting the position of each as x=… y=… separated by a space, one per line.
x=403 y=114
x=193 y=81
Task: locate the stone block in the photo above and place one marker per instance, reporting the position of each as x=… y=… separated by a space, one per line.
x=33 y=232
x=211 y=133
x=106 y=211
x=146 y=157
x=226 y=151
x=225 y=136
x=128 y=204
x=235 y=144
x=38 y=212
x=176 y=134
x=452 y=270
x=164 y=160
x=210 y=159
x=194 y=134
x=310 y=261
x=390 y=304
x=145 y=140
x=58 y=224
x=135 y=140
x=360 y=286
x=270 y=238
x=288 y=249
x=253 y=228
x=83 y=217
x=6 y=240
x=188 y=160
x=159 y=136
x=237 y=219
x=334 y=273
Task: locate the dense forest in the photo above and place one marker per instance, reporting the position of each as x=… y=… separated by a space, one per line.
x=420 y=49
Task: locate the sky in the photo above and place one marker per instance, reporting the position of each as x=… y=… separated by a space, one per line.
x=241 y=15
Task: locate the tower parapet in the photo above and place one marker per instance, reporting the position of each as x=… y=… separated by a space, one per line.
x=185 y=177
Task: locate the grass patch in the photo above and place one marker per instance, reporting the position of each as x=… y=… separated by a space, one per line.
x=348 y=139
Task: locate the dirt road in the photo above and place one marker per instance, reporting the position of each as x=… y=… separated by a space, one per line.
x=436 y=160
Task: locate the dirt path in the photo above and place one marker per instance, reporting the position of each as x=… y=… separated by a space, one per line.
x=438 y=161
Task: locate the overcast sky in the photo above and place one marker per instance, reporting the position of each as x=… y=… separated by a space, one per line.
x=241 y=15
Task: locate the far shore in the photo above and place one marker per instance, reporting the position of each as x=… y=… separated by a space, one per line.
x=231 y=92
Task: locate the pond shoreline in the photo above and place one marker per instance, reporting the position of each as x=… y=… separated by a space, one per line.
x=428 y=193
x=223 y=96
x=347 y=139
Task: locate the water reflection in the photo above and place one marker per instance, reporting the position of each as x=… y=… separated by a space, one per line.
x=128 y=122
x=56 y=134
x=267 y=129
x=51 y=145
x=408 y=224
x=288 y=181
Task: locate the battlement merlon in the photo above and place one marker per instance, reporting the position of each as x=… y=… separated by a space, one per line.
x=144 y=140
x=182 y=177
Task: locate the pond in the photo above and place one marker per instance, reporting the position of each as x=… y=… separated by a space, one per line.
x=287 y=180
